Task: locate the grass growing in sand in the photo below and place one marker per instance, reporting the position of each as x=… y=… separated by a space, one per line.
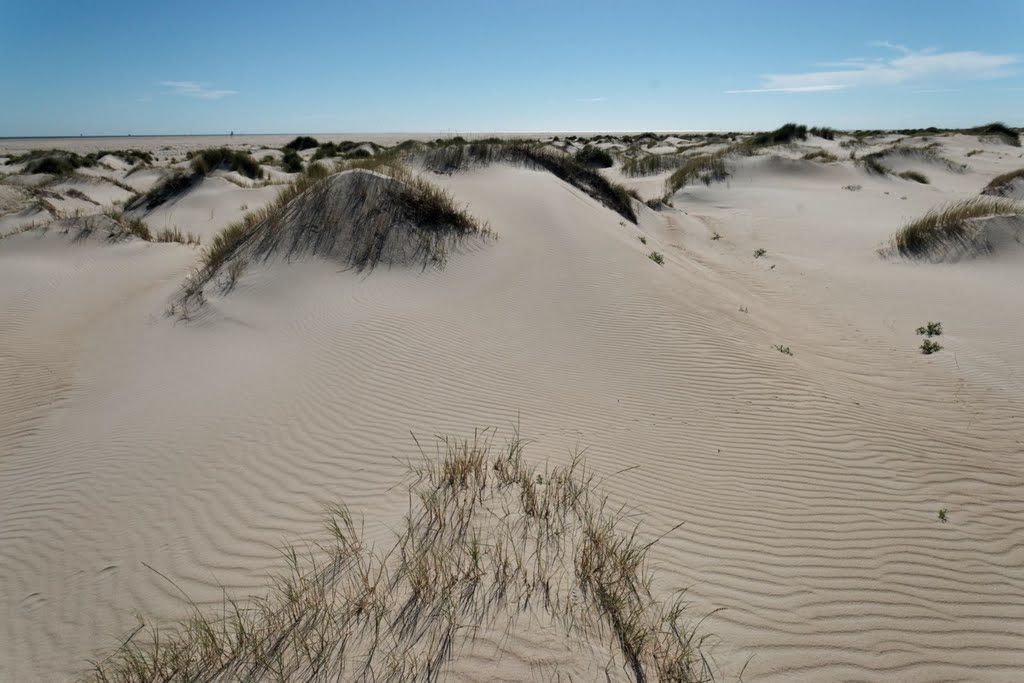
x=487 y=540
x=950 y=224
x=594 y=157
x=1001 y=185
x=208 y=160
x=820 y=155
x=707 y=168
x=449 y=158
x=302 y=142
x=427 y=218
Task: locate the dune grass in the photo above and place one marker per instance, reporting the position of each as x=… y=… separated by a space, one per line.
x=221 y=158
x=450 y=158
x=949 y=225
x=410 y=201
x=487 y=541
x=916 y=176
x=823 y=132
x=783 y=135
x=820 y=155
x=707 y=168
x=164 y=191
x=302 y=142
x=594 y=157
x=998 y=130
x=652 y=164
x=1001 y=185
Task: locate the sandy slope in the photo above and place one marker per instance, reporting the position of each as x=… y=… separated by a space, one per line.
x=809 y=484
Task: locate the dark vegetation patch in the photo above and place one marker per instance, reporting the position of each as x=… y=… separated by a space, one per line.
x=300 y=143
x=206 y=161
x=594 y=157
x=454 y=157
x=1001 y=185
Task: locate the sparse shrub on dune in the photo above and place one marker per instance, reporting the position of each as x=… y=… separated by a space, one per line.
x=489 y=544
x=167 y=189
x=1002 y=185
x=594 y=157
x=706 y=168
x=783 y=135
x=872 y=163
x=206 y=161
x=951 y=226
x=998 y=130
x=652 y=164
x=302 y=142
x=823 y=132
x=360 y=218
x=820 y=155
x=291 y=162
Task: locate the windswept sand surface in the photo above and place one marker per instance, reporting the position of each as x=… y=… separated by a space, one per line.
x=143 y=456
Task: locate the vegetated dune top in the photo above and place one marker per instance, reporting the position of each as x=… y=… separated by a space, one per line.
x=809 y=484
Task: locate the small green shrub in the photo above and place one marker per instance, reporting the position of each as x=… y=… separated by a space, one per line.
x=931 y=329
x=657 y=257
x=783 y=349
x=291 y=162
x=758 y=253
x=929 y=347
x=823 y=132
x=594 y=157
x=944 y=515
x=643 y=240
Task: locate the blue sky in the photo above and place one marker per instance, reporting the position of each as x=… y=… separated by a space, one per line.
x=452 y=66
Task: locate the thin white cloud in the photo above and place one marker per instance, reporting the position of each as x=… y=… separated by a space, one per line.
x=908 y=67
x=197 y=90
x=592 y=99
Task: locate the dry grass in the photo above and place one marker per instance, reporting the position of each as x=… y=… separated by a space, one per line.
x=820 y=155
x=176 y=235
x=707 y=168
x=450 y=158
x=1001 y=185
x=386 y=215
x=487 y=539
x=951 y=225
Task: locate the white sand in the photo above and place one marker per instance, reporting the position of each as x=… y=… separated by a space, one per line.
x=809 y=484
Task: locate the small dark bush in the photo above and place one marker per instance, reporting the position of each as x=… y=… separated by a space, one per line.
x=302 y=142
x=780 y=136
x=594 y=157
x=823 y=132
x=291 y=161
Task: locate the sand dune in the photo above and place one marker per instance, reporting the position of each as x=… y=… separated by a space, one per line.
x=140 y=449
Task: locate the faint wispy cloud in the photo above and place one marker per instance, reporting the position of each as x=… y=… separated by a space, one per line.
x=906 y=68
x=197 y=90
x=591 y=99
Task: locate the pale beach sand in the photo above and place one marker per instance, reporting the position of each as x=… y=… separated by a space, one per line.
x=143 y=455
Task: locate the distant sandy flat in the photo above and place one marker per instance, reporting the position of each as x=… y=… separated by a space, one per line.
x=142 y=455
